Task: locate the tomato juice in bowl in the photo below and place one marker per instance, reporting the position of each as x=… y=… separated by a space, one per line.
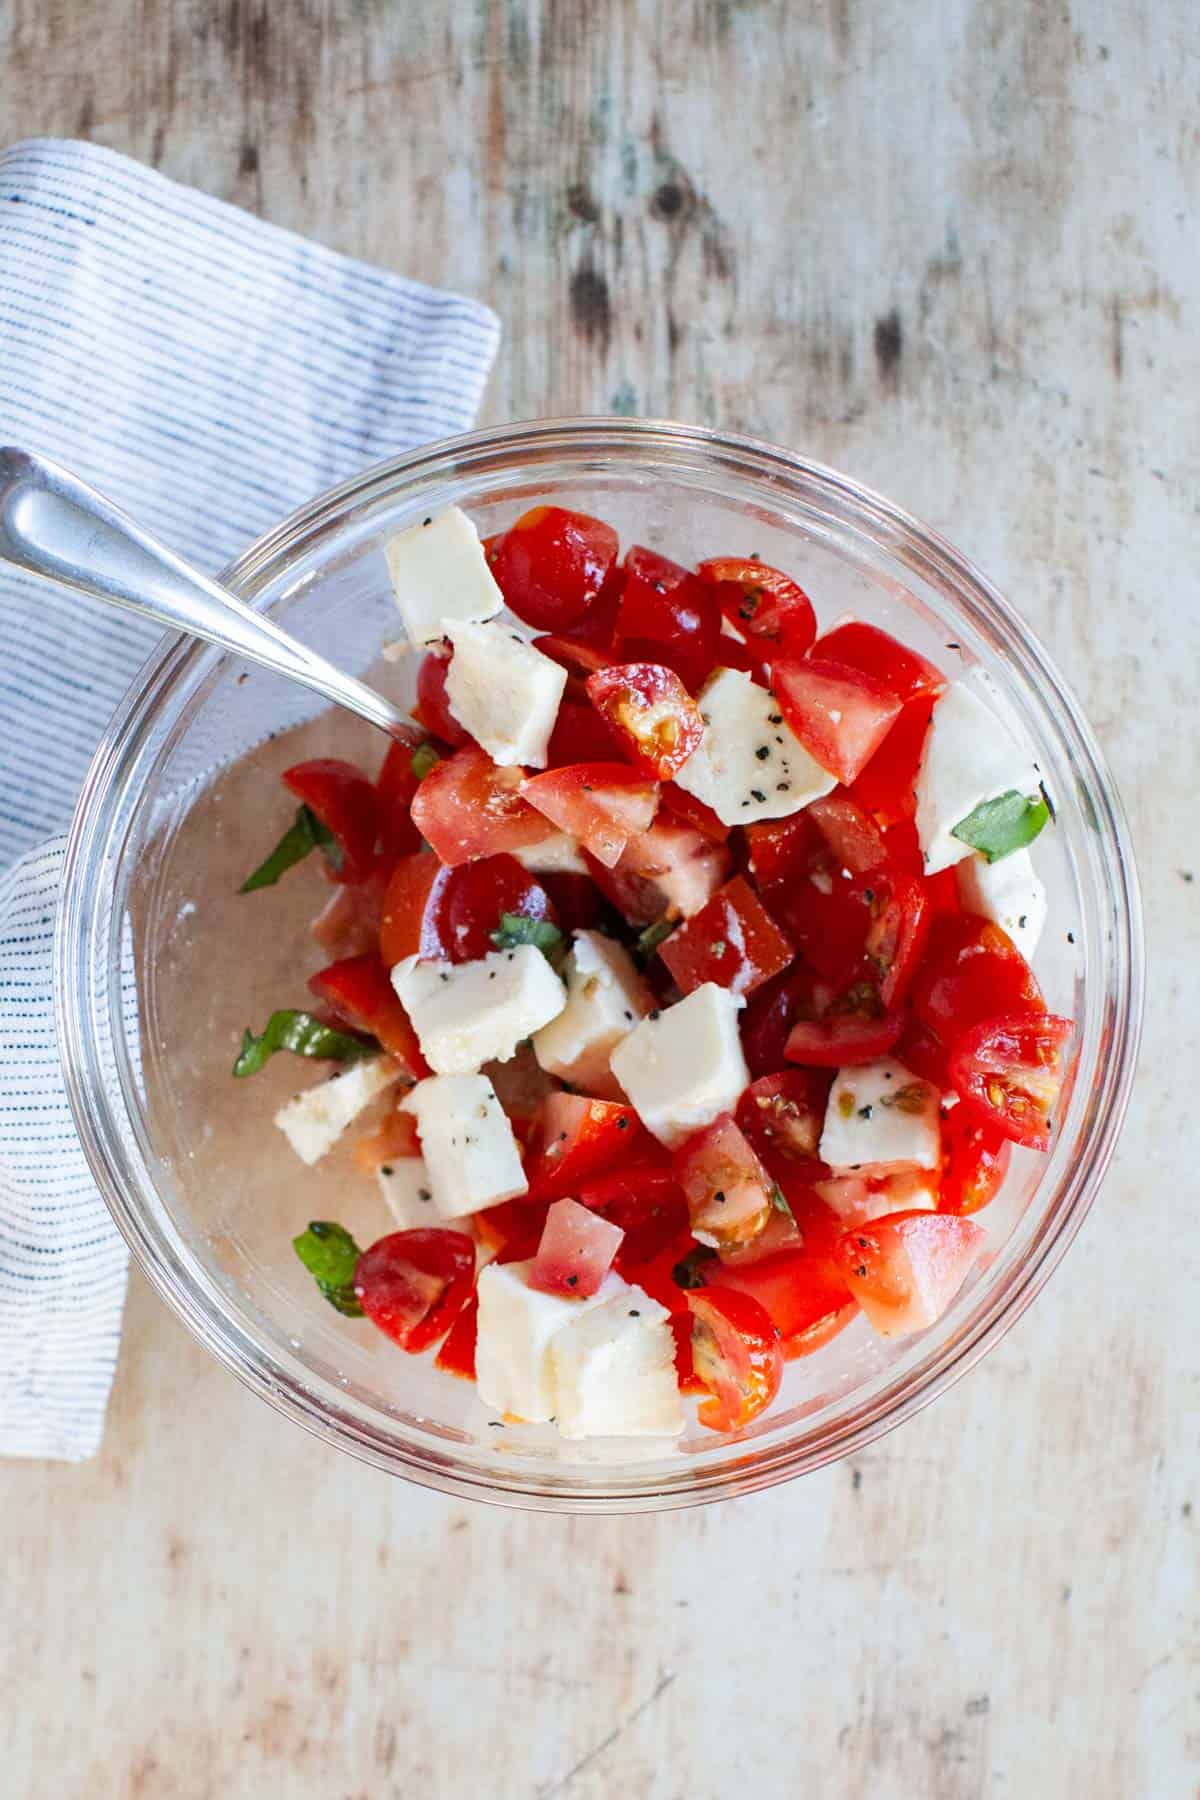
x=162 y=965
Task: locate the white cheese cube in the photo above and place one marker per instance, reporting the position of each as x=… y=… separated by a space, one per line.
x=467 y=1143
x=970 y=756
x=1009 y=893
x=504 y=692
x=606 y=997
x=517 y=1325
x=439 y=572
x=312 y=1122
x=466 y=1014
x=726 y=771
x=407 y=1188
x=880 y=1117
x=556 y=855
x=684 y=1065
x=613 y=1371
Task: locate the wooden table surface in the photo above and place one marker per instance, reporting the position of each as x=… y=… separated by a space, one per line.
x=951 y=249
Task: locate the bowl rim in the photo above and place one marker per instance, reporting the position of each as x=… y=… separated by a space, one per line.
x=764 y=1464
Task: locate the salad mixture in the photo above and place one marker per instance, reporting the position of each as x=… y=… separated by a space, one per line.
x=685 y=951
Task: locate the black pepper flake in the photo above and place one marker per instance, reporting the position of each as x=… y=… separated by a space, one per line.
x=745 y=803
x=495 y=1424
x=864 y=1112
x=783 y=787
x=1070 y=937
x=443 y=975
x=424 y=1194
x=719 y=1197
x=763 y=751
x=660 y=587
x=775 y=718
x=622 y=1124
x=654 y=1015
x=779 y=740
x=1022 y=921
x=628 y=1014
x=572 y=1281
x=861 y=1270
x=491 y=974
x=386 y=1169
x=428 y=521
x=954 y=646
x=757 y=794
x=634 y=1313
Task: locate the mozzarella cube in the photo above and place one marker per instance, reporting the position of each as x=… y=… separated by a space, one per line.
x=727 y=772
x=880 y=1117
x=517 y=1325
x=1009 y=893
x=466 y=1014
x=407 y=1188
x=312 y=1122
x=556 y=855
x=439 y=572
x=504 y=692
x=467 y=1143
x=970 y=756
x=684 y=1065
x=606 y=997
x=613 y=1371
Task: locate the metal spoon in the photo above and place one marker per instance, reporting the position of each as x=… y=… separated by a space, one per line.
x=56 y=526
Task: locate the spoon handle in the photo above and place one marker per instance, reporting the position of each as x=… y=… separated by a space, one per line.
x=56 y=526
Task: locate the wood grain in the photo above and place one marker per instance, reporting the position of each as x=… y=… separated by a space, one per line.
x=952 y=250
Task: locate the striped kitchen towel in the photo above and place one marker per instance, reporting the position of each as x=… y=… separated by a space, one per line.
x=208 y=372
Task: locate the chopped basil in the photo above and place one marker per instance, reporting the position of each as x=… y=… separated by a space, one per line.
x=653 y=936
x=305 y=834
x=516 y=929
x=999 y=827
x=331 y=1256
x=303 y=1034
x=779 y=1202
x=424 y=758
x=690 y=1272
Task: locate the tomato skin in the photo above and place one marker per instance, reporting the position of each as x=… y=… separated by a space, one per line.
x=766 y=606
x=579 y=736
x=846 y=1035
x=975 y=1160
x=736 y=1354
x=650 y=713
x=408 y=922
x=395 y=786
x=728 y=1190
x=412 y=1283
x=602 y=804
x=513 y=1229
x=782 y=1115
x=346 y=803
x=577 y=1138
x=684 y=806
x=840 y=715
x=971 y=971
x=922 y=1051
x=896 y=936
x=359 y=991
x=766 y=1023
x=466 y=807
x=884 y=658
x=551 y=565
x=667 y=615
x=906 y=1268
x=732 y=941
x=671 y=869
x=851 y=834
x=578 y=659
x=456 y=1353
x=645 y=1199
x=780 y=849
x=798 y=1291
x=468 y=904
x=1009 y=1071
x=886 y=786
x=433 y=706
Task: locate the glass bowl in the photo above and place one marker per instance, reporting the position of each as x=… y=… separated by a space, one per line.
x=161 y=962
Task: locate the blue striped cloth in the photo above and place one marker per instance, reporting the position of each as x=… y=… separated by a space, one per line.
x=208 y=372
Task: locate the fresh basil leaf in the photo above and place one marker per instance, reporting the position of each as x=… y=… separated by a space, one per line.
x=424 y=758
x=653 y=936
x=303 y=1034
x=690 y=1272
x=331 y=1256
x=305 y=834
x=999 y=827
x=516 y=929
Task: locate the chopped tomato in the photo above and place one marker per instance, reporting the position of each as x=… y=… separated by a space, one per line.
x=409 y=921
x=971 y=970
x=851 y=834
x=736 y=1354
x=780 y=849
x=904 y=854
x=822 y=911
x=905 y=1269
x=886 y=786
x=579 y=736
x=804 y=1297
x=579 y=1138
x=467 y=906
x=412 y=1283
x=467 y=807
x=685 y=806
x=855 y=1028
x=922 y=1051
x=645 y=1199
x=840 y=715
x=576 y=1251
x=551 y=565
x=732 y=941
x=359 y=991
x=601 y=804
x=873 y=652
x=575 y=898
x=513 y=1229
x=899 y=913
x=782 y=1115
x=346 y=803
x=766 y=606
x=456 y=1354
x=395 y=1141
x=767 y=1021
x=395 y=786
x=728 y=1190
x=433 y=706
x=975 y=1159
x=1010 y=1072
x=348 y=923
x=650 y=713
x=667 y=615
x=576 y=658
x=668 y=871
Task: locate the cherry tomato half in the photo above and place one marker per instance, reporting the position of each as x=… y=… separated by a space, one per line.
x=736 y=1354
x=346 y=803
x=650 y=713
x=763 y=604
x=411 y=1284
x=1010 y=1073
x=551 y=565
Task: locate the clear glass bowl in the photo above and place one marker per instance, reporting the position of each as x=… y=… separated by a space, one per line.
x=161 y=962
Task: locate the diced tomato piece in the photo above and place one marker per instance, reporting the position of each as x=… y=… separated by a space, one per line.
x=645 y=1199
x=800 y=1292
x=579 y=736
x=395 y=786
x=650 y=714
x=691 y=811
x=736 y=1354
x=728 y=1190
x=513 y=1229
x=467 y=906
x=840 y=715
x=732 y=941
x=576 y=1251
x=905 y=1269
x=1010 y=1072
x=348 y=923
x=575 y=898
x=597 y=628
x=975 y=1160
x=456 y=1353
x=922 y=1051
x=579 y=659
x=395 y=1141
x=904 y=855
x=346 y=803
x=409 y=921
x=551 y=565
x=886 y=785
x=767 y=1021
x=669 y=870
x=603 y=805
x=896 y=936
x=856 y=1028
x=667 y=615
x=852 y=835
x=780 y=849
x=782 y=1115
x=411 y=1284
x=873 y=652
x=578 y=1138
x=360 y=992
x=766 y=606
x=467 y=807
x=941 y=890
x=432 y=702
x=971 y=970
